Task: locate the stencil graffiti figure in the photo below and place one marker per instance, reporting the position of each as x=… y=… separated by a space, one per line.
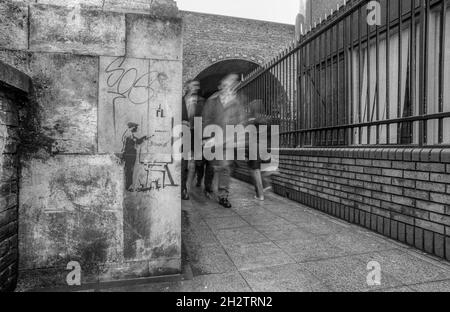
x=130 y=150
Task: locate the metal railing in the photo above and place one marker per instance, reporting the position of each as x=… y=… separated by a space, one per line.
x=351 y=82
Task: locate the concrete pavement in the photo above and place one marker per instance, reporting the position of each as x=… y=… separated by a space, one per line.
x=281 y=246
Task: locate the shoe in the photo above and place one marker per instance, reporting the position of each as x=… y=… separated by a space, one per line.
x=185 y=195
x=259 y=198
x=225 y=203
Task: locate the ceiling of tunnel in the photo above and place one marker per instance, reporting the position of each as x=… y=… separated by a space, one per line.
x=211 y=76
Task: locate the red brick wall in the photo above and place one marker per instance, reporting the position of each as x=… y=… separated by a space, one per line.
x=401 y=193
x=8 y=188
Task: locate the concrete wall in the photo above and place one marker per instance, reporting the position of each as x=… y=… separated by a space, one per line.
x=97 y=66
x=209 y=39
x=14 y=89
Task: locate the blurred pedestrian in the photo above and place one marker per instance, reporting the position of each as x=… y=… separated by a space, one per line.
x=192 y=106
x=261 y=179
x=222 y=109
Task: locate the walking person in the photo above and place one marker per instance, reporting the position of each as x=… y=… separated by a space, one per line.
x=192 y=106
x=204 y=170
x=261 y=180
x=222 y=109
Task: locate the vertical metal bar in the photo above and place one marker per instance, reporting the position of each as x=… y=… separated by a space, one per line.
x=368 y=98
x=423 y=72
x=281 y=75
x=290 y=109
x=412 y=66
x=329 y=78
x=388 y=49
x=274 y=93
x=441 y=68
x=298 y=95
x=360 y=68
x=324 y=92
x=279 y=94
x=347 y=81
x=377 y=88
x=286 y=95
x=336 y=84
x=352 y=79
x=266 y=90
x=294 y=101
x=399 y=90
x=314 y=121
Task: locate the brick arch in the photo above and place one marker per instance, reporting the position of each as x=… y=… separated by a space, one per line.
x=208 y=39
x=211 y=75
x=196 y=69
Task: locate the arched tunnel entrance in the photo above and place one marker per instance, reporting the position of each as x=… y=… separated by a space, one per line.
x=211 y=76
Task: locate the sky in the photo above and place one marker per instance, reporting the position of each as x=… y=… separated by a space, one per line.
x=281 y=11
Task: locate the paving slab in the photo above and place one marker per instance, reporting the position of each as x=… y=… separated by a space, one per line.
x=280 y=233
x=257 y=255
x=217 y=224
x=311 y=249
x=210 y=259
x=407 y=267
x=287 y=278
x=265 y=218
x=243 y=235
x=358 y=243
x=348 y=274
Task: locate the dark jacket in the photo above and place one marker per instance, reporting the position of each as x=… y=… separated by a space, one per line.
x=198 y=110
x=214 y=113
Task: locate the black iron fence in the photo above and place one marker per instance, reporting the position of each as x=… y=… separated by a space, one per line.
x=362 y=77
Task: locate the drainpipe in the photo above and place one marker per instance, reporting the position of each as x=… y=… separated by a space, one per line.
x=300 y=21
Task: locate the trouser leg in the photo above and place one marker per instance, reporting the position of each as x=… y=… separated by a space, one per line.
x=184 y=174
x=190 y=175
x=223 y=171
x=258 y=181
x=266 y=179
x=200 y=170
x=209 y=177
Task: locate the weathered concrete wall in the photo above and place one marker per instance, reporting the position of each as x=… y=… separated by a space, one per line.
x=208 y=39
x=90 y=62
x=14 y=87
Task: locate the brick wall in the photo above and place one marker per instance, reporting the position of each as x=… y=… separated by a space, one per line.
x=401 y=193
x=210 y=38
x=11 y=99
